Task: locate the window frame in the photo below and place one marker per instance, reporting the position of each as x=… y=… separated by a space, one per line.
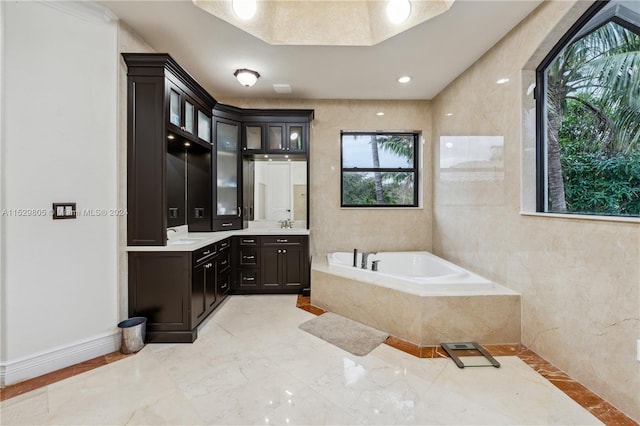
x=581 y=25
x=414 y=169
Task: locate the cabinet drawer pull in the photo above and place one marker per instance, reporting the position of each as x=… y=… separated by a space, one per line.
x=284 y=251
x=248 y=257
x=206 y=252
x=224 y=262
x=248 y=279
x=282 y=240
x=248 y=241
x=223 y=287
x=224 y=245
x=227 y=224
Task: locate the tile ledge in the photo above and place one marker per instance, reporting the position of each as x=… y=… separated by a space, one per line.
x=620 y=219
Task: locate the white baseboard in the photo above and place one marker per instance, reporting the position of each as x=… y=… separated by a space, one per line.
x=47 y=361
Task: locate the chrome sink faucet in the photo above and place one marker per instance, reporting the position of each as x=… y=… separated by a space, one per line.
x=364 y=259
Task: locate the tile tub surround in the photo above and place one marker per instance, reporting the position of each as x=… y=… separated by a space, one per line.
x=252 y=365
x=488 y=317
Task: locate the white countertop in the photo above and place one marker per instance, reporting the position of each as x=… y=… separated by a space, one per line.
x=190 y=241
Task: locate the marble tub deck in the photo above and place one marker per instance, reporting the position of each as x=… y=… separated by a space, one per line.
x=489 y=316
x=252 y=365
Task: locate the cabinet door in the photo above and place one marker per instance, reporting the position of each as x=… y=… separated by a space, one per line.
x=204 y=126
x=271 y=265
x=210 y=286
x=175 y=106
x=293 y=271
x=296 y=137
x=198 y=291
x=227 y=200
x=253 y=137
x=275 y=137
x=189 y=116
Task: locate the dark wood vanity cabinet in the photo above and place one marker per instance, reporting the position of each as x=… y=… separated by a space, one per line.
x=168 y=149
x=271 y=264
x=176 y=291
x=283 y=263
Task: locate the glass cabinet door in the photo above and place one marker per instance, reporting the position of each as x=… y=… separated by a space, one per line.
x=275 y=137
x=227 y=139
x=175 y=113
x=189 y=123
x=204 y=126
x=253 y=137
x=295 y=137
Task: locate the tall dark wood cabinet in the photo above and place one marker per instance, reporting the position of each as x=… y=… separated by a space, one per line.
x=169 y=150
x=227 y=187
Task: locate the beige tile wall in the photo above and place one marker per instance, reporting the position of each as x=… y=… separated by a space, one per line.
x=334 y=228
x=579 y=279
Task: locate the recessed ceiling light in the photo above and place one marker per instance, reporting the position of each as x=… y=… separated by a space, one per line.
x=187 y=144
x=244 y=9
x=380 y=114
x=398 y=10
x=171 y=137
x=449 y=114
x=404 y=79
x=503 y=81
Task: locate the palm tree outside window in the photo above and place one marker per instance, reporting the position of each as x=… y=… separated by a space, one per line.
x=379 y=169
x=588 y=113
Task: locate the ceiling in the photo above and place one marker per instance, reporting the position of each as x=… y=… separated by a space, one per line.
x=433 y=53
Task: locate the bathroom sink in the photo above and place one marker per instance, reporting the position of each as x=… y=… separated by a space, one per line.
x=285 y=230
x=184 y=241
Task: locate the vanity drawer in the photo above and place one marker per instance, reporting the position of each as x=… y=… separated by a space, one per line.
x=204 y=253
x=249 y=241
x=249 y=256
x=284 y=240
x=227 y=225
x=248 y=278
x=223 y=262
x=224 y=245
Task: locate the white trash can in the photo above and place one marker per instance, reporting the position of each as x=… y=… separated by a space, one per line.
x=133 y=332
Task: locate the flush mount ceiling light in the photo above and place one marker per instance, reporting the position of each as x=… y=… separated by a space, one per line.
x=404 y=79
x=398 y=10
x=503 y=81
x=380 y=114
x=246 y=77
x=244 y=9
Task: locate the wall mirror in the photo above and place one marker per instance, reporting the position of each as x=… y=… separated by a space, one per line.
x=279 y=191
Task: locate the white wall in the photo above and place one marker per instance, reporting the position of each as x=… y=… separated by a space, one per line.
x=59 y=105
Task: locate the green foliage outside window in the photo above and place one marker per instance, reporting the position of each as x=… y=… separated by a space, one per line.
x=592 y=101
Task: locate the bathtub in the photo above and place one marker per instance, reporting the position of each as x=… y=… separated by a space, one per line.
x=417 y=297
x=414 y=272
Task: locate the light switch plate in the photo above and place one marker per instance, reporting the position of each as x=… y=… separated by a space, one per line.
x=64 y=210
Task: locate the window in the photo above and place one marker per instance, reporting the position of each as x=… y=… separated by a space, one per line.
x=379 y=169
x=588 y=114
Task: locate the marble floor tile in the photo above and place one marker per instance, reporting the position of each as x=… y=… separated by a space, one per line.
x=252 y=365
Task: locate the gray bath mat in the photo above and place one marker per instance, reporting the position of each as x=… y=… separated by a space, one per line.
x=359 y=339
